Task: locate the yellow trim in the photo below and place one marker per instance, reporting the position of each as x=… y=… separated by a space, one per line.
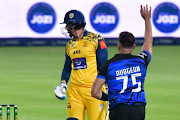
x=71 y=15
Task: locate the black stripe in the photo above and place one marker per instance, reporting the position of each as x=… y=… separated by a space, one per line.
x=130 y=98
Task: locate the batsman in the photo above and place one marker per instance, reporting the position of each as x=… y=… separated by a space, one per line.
x=85 y=53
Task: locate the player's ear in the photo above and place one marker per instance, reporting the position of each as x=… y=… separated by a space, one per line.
x=118 y=46
x=134 y=46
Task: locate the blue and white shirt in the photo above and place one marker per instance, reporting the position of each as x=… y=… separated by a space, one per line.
x=125 y=75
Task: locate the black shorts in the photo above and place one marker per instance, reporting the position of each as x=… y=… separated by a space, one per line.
x=127 y=112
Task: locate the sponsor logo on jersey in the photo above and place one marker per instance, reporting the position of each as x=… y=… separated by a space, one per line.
x=69 y=105
x=77 y=52
x=102 y=44
x=104 y=17
x=73 y=45
x=85 y=44
x=101 y=106
x=166 y=17
x=41 y=17
x=79 y=63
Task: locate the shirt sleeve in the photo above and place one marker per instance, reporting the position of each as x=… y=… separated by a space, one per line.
x=103 y=71
x=145 y=56
x=67 y=69
x=101 y=53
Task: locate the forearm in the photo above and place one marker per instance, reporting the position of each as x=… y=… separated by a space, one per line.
x=147 y=46
x=98 y=94
x=65 y=76
x=148 y=31
x=96 y=89
x=66 y=70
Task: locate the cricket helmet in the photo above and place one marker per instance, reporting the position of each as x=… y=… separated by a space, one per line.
x=74 y=18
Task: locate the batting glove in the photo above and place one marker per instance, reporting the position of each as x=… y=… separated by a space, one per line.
x=60 y=91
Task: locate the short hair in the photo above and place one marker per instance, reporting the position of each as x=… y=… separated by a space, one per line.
x=126 y=39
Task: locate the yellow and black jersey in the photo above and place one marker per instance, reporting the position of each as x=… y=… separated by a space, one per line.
x=83 y=59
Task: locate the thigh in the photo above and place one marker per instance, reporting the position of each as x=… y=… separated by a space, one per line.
x=96 y=109
x=138 y=112
x=127 y=112
x=75 y=104
x=118 y=112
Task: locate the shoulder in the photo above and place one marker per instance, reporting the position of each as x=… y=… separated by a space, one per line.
x=94 y=36
x=96 y=39
x=70 y=44
x=108 y=62
x=100 y=41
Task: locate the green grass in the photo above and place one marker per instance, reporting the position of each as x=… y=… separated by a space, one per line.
x=28 y=76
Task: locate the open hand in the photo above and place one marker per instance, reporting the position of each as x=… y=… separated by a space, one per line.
x=145 y=13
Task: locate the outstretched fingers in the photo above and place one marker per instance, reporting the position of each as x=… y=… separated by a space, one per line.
x=145 y=9
x=145 y=12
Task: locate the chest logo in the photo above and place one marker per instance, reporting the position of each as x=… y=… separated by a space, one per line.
x=85 y=44
x=79 y=63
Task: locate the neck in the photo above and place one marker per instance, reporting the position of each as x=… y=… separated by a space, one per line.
x=80 y=33
x=125 y=51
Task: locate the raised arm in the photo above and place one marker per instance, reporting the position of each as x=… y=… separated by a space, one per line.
x=146 y=15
